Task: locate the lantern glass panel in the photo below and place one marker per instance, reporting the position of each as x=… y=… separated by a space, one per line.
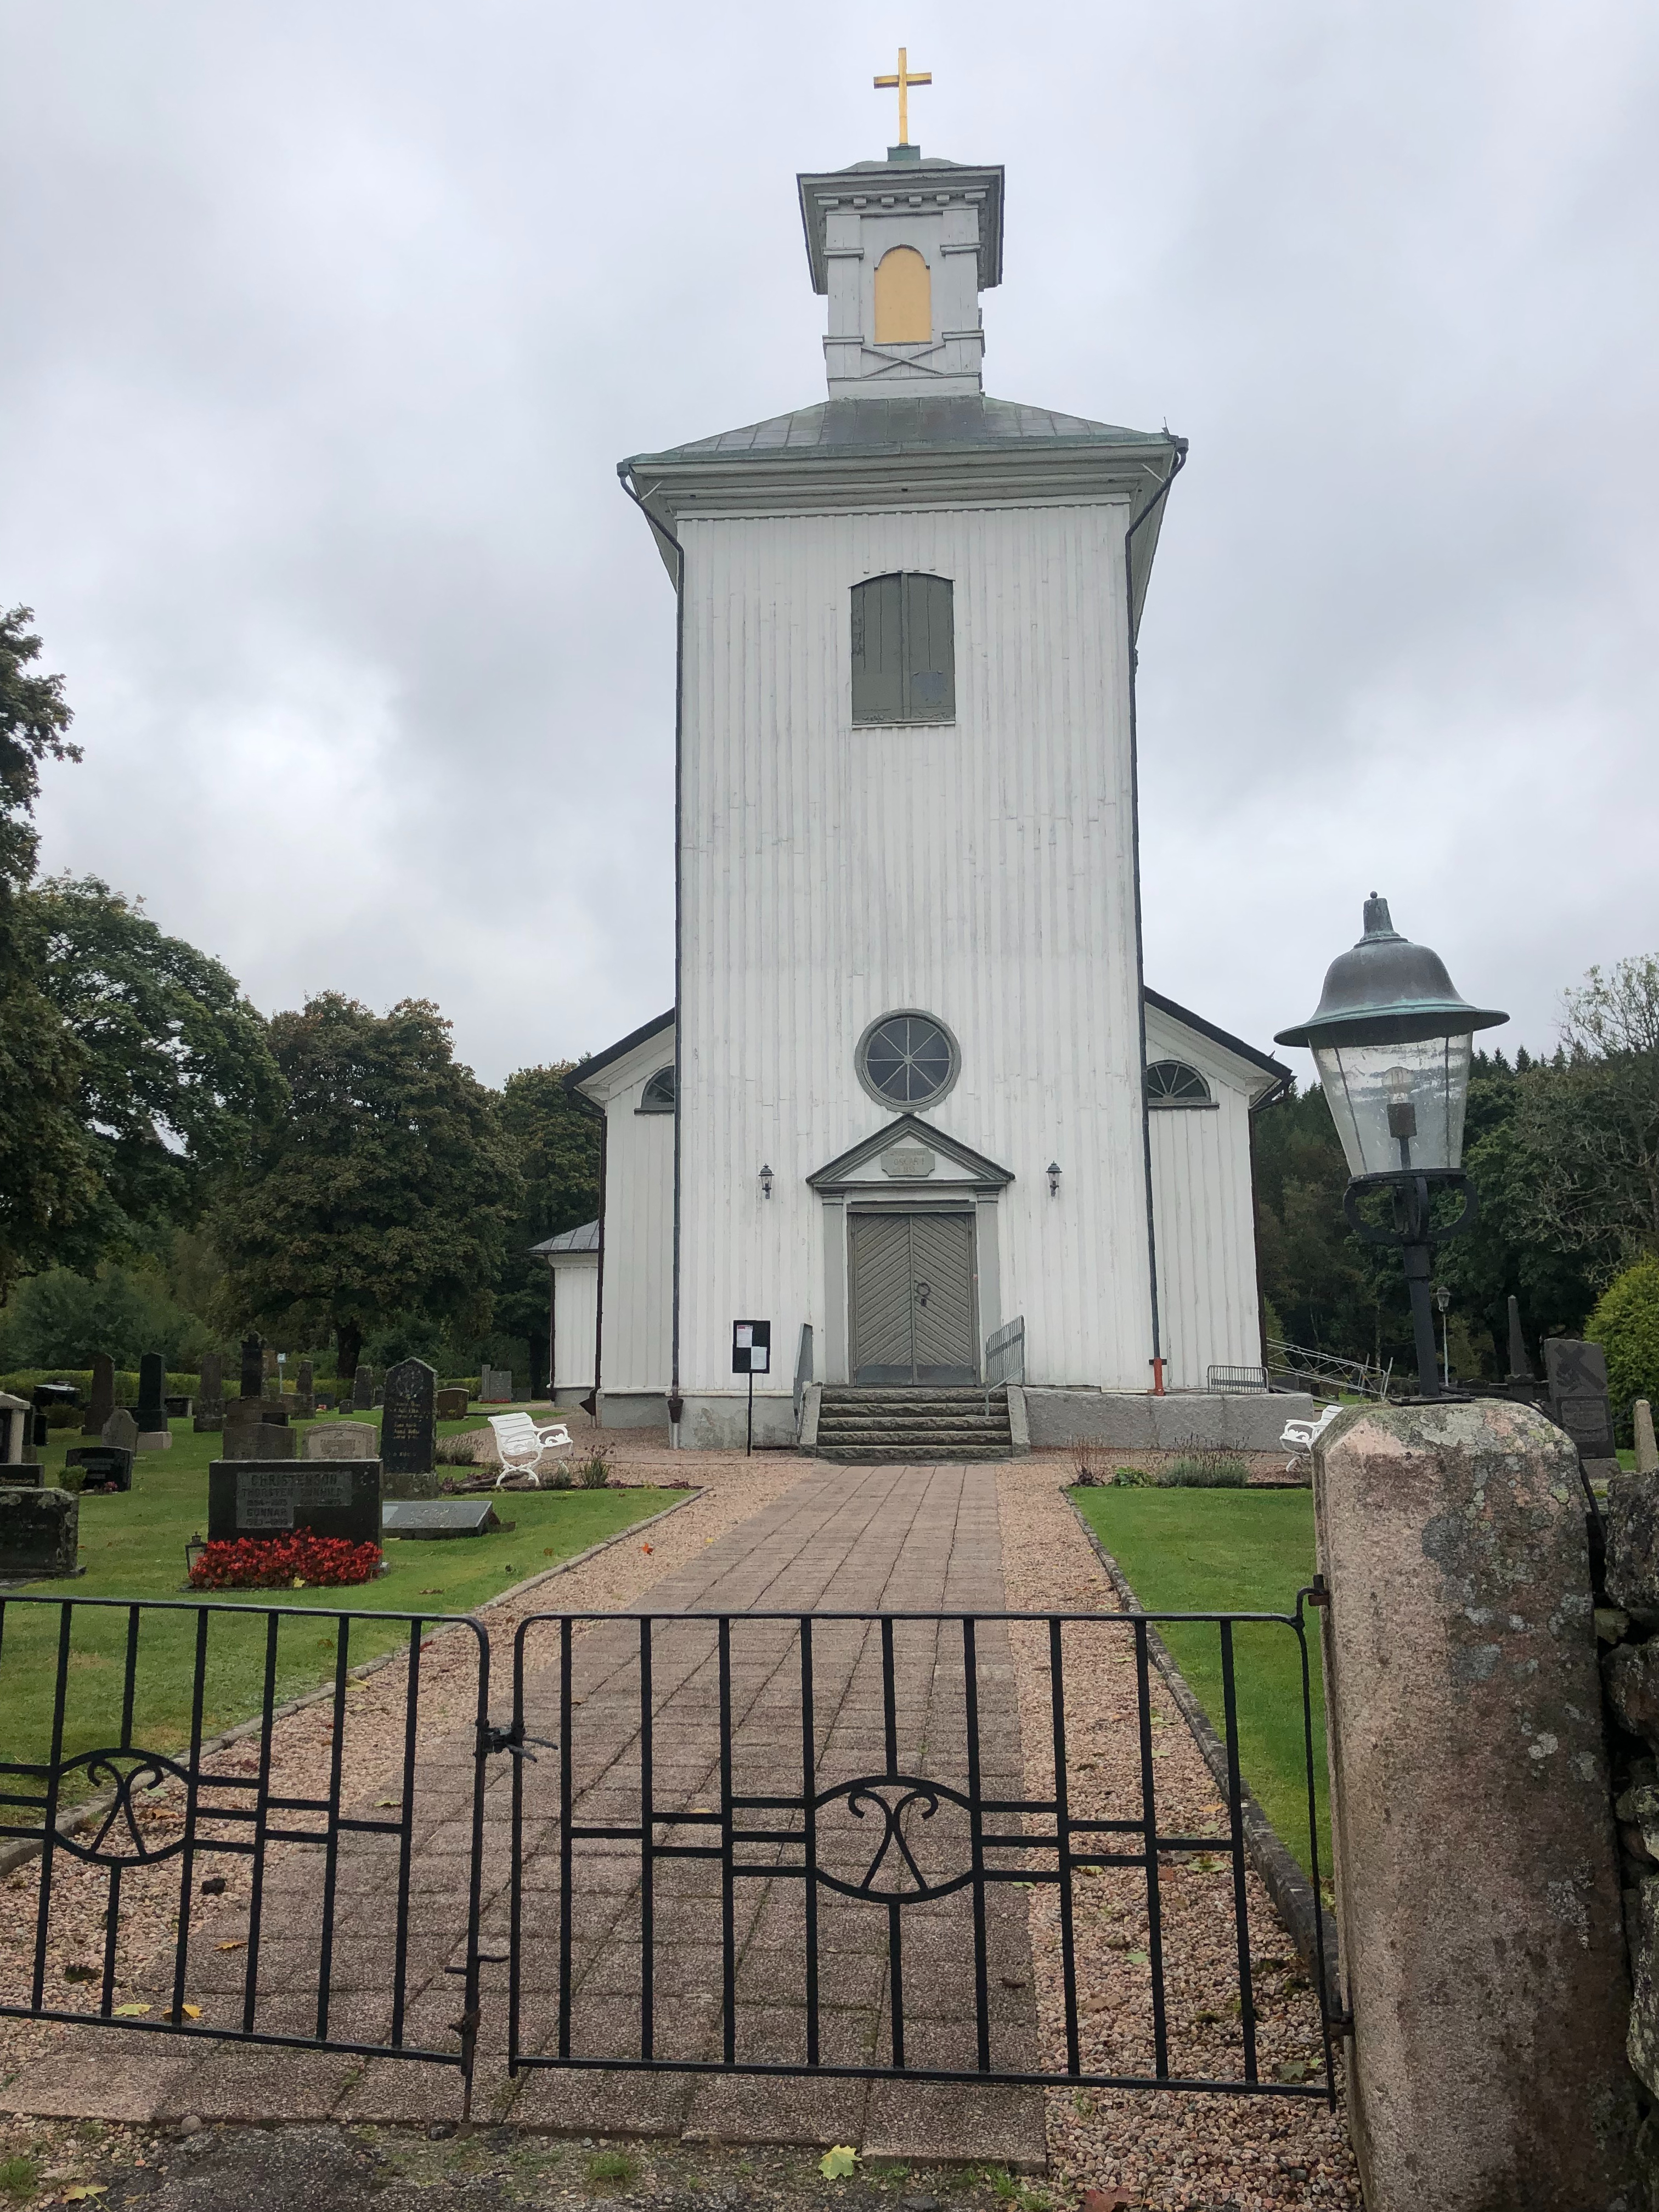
x=1398 y=1106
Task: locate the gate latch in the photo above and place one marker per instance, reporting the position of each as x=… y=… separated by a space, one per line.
x=494 y=1739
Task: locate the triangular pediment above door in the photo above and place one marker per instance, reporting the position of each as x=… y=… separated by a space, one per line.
x=909 y=1153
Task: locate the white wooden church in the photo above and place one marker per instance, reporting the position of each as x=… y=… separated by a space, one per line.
x=913 y=1089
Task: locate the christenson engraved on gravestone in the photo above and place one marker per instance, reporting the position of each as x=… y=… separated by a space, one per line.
x=408 y=1422
x=272 y=1498
x=101 y=1403
x=1577 y=1377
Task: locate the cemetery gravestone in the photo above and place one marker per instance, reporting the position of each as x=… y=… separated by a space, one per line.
x=153 y=1434
x=273 y=1498
x=428 y=1521
x=253 y=1372
x=409 y=1425
x=1519 y=1365
x=362 y=1390
x=210 y=1398
x=1577 y=1377
x=496 y=1386
x=341 y=1440
x=270 y=1373
x=121 y=1430
x=262 y=1440
x=16 y=1417
x=106 y=1467
x=39 y=1535
x=101 y=1403
x=306 y=1391
x=449 y=1405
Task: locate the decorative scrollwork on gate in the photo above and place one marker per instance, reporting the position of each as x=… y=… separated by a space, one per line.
x=892 y=1796
x=123 y=1773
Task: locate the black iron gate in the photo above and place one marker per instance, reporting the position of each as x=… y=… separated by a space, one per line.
x=772 y=1844
x=108 y=1807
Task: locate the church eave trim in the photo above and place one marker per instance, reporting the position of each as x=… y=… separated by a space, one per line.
x=577 y=1080
x=986 y=1173
x=1251 y=1054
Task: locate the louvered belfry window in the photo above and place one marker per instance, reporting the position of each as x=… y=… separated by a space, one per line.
x=904 y=660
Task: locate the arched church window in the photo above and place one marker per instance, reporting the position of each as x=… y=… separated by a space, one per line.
x=906 y=1059
x=1172 y=1083
x=904 y=654
x=658 y=1096
x=904 y=298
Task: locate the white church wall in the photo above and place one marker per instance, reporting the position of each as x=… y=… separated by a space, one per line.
x=982 y=872
x=639 y=1240
x=1202 y=1214
x=575 y=1309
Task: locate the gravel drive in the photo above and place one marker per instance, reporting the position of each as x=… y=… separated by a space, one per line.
x=1163 y=2149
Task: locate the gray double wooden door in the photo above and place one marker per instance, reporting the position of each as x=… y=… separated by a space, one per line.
x=911 y=1278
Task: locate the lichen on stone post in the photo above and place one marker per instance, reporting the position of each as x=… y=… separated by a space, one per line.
x=1477 y=1880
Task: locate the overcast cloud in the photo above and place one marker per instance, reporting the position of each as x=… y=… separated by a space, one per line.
x=322 y=328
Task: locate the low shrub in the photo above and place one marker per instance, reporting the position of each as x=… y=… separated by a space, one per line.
x=465 y=1448
x=1205 y=1470
x=1132 y=1478
x=300 y=1561
x=595 y=1472
x=1626 y=1324
x=1091 y=1462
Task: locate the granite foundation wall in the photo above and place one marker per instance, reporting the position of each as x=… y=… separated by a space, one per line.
x=1125 y=1421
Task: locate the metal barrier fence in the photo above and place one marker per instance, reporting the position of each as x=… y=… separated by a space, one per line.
x=767 y=1844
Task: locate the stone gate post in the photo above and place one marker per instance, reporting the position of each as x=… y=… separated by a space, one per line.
x=1477 y=1881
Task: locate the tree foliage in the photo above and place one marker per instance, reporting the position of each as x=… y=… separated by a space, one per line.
x=47 y=1179
x=1626 y=1324
x=555 y=1143
x=176 y=1070
x=388 y=1188
x=62 y=1319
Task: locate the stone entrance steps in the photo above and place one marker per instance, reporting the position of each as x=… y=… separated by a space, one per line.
x=886 y=1427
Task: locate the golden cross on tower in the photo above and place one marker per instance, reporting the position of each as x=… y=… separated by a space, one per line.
x=903 y=82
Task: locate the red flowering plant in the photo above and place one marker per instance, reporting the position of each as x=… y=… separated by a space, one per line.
x=297 y=1562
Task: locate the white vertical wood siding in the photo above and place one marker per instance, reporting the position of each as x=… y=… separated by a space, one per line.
x=983 y=872
x=638 y=1235
x=1202 y=1218
x=575 y=1303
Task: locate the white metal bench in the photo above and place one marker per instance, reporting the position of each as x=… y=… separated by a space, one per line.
x=521 y=1444
x=1300 y=1435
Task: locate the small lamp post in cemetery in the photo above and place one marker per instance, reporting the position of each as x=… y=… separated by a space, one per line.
x=1442 y=1300
x=1392 y=1041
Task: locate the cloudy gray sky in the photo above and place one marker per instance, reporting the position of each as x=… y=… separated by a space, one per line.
x=323 y=327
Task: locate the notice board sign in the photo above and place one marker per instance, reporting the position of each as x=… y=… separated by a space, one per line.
x=751 y=1347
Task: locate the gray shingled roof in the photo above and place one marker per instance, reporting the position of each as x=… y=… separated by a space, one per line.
x=841 y=426
x=585 y=1239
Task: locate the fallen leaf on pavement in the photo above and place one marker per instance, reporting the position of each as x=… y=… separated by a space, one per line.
x=128 y=2011
x=838 y=2161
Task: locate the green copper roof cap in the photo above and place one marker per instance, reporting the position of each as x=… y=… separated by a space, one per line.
x=1387 y=991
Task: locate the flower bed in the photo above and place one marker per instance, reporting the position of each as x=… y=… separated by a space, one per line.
x=297 y=1562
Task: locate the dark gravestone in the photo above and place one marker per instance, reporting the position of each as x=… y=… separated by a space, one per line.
x=180 y=1408
x=1577 y=1377
x=409 y=1423
x=253 y=1370
x=1519 y=1365
x=362 y=1390
x=106 y=1467
x=262 y=1440
x=304 y=1391
x=101 y=1403
x=431 y=1520
x=39 y=1533
x=210 y=1395
x=153 y=1434
x=272 y=1498
x=451 y=1405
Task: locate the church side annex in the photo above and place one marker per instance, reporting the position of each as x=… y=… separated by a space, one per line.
x=913 y=1088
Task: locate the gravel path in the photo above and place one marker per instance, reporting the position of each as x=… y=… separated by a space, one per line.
x=1158 y=2148
x=302 y=1749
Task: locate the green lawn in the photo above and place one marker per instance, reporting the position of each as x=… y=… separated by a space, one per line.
x=133 y=1547
x=1233 y=1551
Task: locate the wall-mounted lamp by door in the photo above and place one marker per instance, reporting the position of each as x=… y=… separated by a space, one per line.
x=1054 y=1178
x=766 y=1182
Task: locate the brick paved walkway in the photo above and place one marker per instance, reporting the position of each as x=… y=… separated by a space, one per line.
x=853 y=1540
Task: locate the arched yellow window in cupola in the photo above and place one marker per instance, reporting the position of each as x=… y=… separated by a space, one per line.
x=904 y=298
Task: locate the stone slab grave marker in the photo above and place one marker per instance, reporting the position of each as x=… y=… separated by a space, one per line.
x=273 y=1498
x=210 y=1396
x=153 y=1434
x=1646 y=1451
x=362 y=1390
x=101 y=1403
x=1578 y=1375
x=262 y=1440
x=341 y=1440
x=496 y=1386
x=304 y=1391
x=121 y=1430
x=449 y=1405
x=39 y=1535
x=409 y=1423
x=106 y=1467
x=431 y=1520
x=253 y=1377
x=16 y=1422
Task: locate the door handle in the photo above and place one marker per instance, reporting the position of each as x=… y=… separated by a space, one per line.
x=921 y=1294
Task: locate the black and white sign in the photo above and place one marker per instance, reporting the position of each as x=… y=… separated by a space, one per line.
x=751 y=1347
